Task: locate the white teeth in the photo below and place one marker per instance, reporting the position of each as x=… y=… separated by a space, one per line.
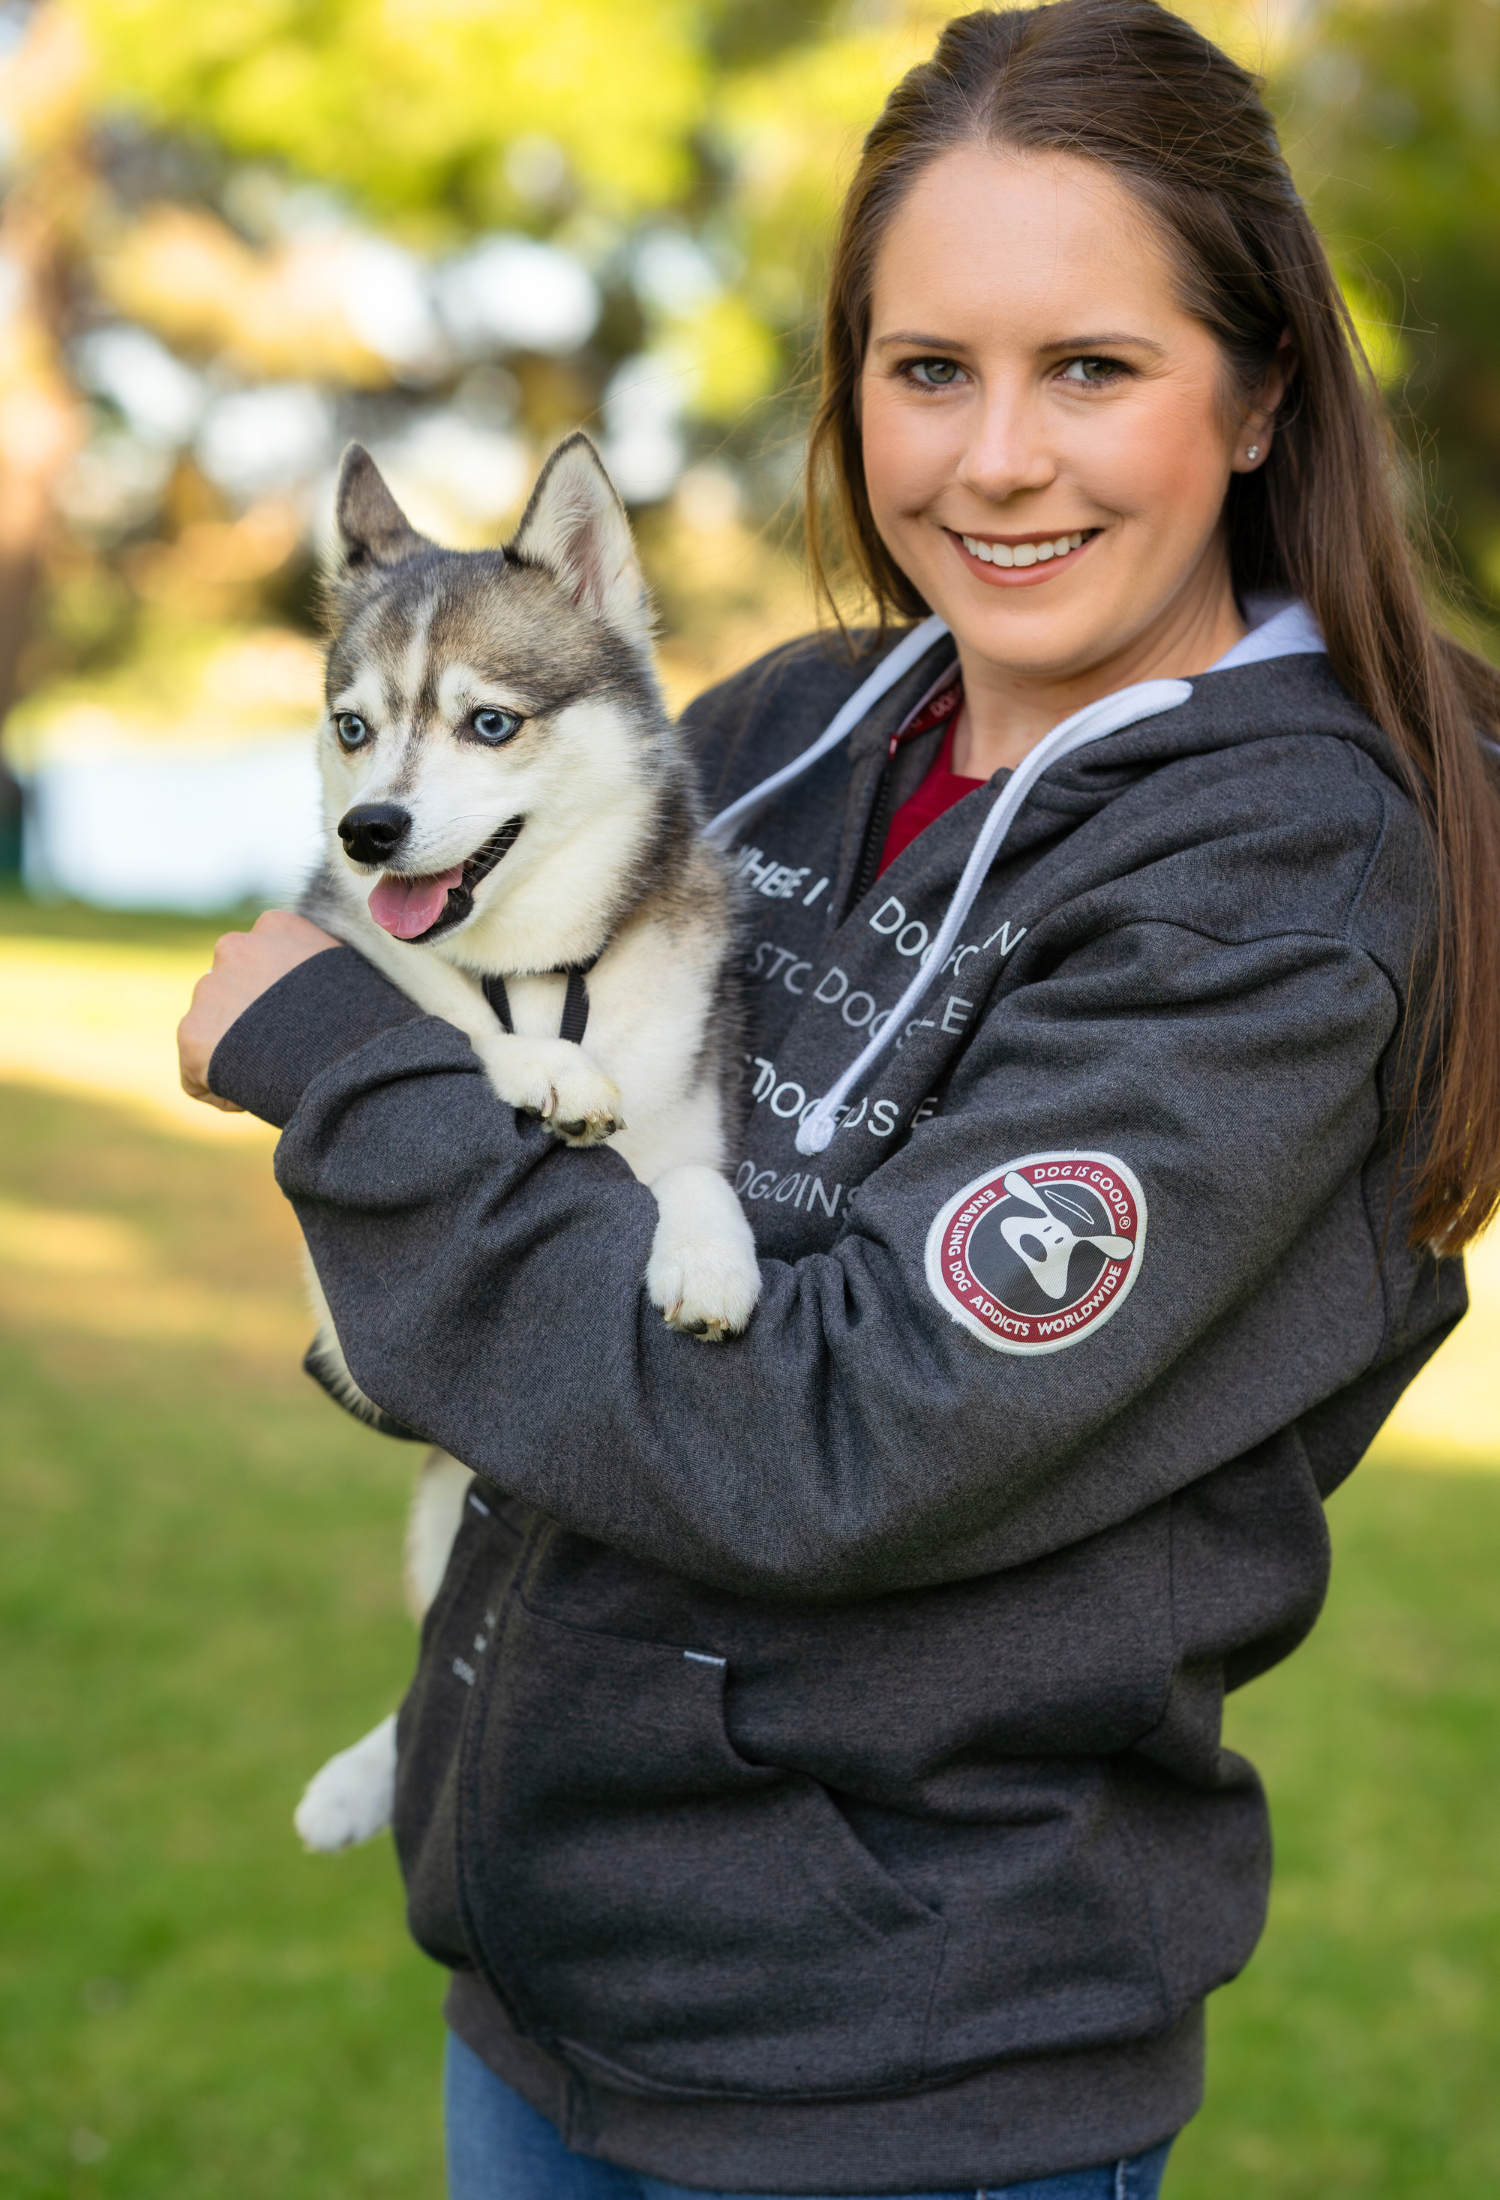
x=1020 y=553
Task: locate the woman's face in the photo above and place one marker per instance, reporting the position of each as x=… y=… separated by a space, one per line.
x=1047 y=443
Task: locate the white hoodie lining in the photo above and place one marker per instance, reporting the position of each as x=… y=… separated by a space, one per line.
x=907 y=652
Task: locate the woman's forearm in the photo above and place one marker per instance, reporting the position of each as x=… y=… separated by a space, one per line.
x=487 y=1284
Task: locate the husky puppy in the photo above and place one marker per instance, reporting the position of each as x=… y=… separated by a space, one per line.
x=513 y=840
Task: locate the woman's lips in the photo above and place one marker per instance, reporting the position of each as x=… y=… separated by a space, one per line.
x=1033 y=559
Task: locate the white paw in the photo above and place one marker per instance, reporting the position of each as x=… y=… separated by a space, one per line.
x=556 y=1081
x=707 y=1286
x=351 y=1799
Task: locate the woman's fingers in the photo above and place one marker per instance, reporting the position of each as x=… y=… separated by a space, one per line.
x=245 y=965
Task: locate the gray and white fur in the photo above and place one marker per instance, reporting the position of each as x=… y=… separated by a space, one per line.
x=495 y=717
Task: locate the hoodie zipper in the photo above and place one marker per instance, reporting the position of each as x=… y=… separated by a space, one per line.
x=878 y=826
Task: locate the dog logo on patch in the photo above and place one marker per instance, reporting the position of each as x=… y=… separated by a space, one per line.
x=1037 y=1254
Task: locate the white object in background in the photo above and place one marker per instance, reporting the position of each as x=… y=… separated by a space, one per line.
x=114 y=483
x=162 y=400
x=137 y=828
x=386 y=300
x=481 y=471
x=643 y=445
x=253 y=441
x=517 y=293
x=673 y=272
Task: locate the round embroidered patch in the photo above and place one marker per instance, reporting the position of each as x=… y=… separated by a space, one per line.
x=1037 y=1254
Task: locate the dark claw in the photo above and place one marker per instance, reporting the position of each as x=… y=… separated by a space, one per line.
x=583 y=1133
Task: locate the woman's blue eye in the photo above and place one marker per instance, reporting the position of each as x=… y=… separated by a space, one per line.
x=496 y=726
x=933 y=374
x=351 y=729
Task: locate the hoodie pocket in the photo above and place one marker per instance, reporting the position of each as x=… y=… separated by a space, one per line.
x=456 y=1634
x=660 y=1910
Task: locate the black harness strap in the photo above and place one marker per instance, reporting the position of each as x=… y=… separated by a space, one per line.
x=575 y=1015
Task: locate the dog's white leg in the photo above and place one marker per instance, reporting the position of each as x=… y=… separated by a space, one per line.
x=703 y=1272
x=437 y=1507
x=554 y=1079
x=550 y=1078
x=351 y=1799
x=435 y=985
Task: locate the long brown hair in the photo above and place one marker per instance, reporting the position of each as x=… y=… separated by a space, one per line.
x=1126 y=84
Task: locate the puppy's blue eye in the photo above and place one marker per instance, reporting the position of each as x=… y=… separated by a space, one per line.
x=497 y=726
x=351 y=729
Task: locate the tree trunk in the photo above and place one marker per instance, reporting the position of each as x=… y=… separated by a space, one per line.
x=41 y=421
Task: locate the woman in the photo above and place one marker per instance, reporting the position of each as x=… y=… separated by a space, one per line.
x=813 y=1773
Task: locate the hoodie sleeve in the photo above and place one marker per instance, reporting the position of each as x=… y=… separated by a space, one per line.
x=487 y=1284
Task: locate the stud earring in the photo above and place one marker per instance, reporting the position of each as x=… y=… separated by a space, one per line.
x=1253 y=452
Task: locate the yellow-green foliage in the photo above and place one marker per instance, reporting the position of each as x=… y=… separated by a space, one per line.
x=395 y=99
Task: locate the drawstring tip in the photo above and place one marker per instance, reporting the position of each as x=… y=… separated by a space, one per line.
x=815 y=1135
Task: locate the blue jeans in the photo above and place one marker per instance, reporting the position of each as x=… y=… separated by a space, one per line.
x=499 y=2148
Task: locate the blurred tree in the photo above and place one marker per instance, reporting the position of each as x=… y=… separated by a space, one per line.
x=39 y=416
x=1392 y=117
x=412 y=105
x=454 y=232
x=233 y=236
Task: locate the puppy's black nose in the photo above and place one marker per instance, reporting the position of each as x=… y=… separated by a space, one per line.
x=373 y=831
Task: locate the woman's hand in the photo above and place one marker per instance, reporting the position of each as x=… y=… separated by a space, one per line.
x=246 y=964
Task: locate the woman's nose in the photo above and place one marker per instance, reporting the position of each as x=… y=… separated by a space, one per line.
x=1009 y=450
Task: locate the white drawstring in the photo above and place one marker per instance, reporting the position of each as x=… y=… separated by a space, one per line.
x=1092 y=723
x=907 y=652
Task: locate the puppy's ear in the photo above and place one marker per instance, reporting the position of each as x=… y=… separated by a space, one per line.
x=373 y=529
x=575 y=525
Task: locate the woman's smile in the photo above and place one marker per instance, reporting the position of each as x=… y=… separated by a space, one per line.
x=1021 y=561
x=1037 y=403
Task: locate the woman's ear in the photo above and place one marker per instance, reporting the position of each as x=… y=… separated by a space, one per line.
x=1257 y=427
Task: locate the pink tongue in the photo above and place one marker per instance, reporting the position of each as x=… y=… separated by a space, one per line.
x=408 y=907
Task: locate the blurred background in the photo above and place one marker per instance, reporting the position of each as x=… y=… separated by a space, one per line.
x=232 y=236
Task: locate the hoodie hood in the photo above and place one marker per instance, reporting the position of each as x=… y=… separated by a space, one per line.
x=1276 y=630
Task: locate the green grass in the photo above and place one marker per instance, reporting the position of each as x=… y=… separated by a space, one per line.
x=1357 y=2057
x=199 y=1599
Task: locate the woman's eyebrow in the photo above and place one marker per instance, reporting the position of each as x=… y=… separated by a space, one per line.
x=1114 y=336
x=915 y=336
x=1057 y=343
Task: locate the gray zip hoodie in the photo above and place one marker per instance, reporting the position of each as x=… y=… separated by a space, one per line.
x=812 y=1774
